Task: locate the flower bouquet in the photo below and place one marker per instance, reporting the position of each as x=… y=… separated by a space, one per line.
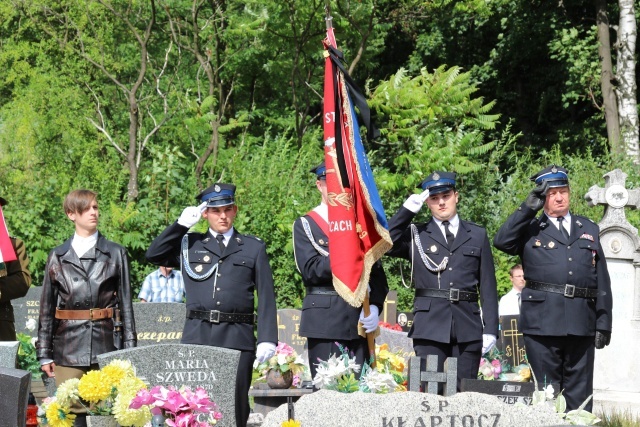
x=107 y=391
x=339 y=373
x=285 y=361
x=392 y=362
x=180 y=407
x=27 y=359
x=491 y=366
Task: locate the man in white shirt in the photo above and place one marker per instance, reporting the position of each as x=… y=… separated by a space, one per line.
x=510 y=302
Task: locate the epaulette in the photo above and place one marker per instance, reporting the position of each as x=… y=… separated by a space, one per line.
x=253 y=237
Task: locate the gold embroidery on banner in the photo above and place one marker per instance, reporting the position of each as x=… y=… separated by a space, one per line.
x=361 y=234
x=345 y=199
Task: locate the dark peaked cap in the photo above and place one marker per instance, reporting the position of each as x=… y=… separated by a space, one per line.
x=218 y=194
x=439 y=182
x=320 y=171
x=555 y=176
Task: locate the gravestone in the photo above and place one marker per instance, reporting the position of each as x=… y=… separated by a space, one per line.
x=329 y=408
x=397 y=341
x=289 y=328
x=617 y=366
x=14 y=397
x=510 y=392
x=159 y=322
x=9 y=354
x=426 y=371
x=25 y=308
x=212 y=368
x=405 y=320
x=390 y=308
x=511 y=341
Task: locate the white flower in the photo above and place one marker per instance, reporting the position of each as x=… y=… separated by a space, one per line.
x=378 y=382
x=548 y=391
x=33 y=341
x=31 y=325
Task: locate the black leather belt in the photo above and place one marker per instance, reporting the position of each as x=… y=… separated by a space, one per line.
x=569 y=291
x=215 y=316
x=321 y=290
x=451 y=294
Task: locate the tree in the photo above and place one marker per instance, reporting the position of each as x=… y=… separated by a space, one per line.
x=114 y=38
x=627 y=88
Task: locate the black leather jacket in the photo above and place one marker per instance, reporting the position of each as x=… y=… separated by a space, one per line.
x=67 y=285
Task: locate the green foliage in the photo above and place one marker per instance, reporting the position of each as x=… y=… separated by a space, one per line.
x=27 y=359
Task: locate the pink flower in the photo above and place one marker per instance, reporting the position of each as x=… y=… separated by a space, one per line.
x=284 y=348
x=497 y=367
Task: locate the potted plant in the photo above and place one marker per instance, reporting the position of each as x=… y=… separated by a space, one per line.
x=281 y=368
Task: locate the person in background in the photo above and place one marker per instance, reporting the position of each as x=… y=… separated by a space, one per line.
x=222 y=269
x=162 y=285
x=510 y=303
x=86 y=296
x=15 y=280
x=453 y=268
x=327 y=320
x=566 y=310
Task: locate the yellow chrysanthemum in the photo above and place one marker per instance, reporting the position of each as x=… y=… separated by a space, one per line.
x=94 y=386
x=67 y=392
x=126 y=392
x=291 y=423
x=123 y=365
x=114 y=374
x=59 y=416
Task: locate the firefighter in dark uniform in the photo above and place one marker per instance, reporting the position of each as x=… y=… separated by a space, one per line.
x=566 y=304
x=15 y=280
x=452 y=264
x=221 y=270
x=326 y=317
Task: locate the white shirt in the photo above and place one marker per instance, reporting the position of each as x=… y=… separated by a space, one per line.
x=509 y=303
x=227 y=235
x=323 y=210
x=82 y=244
x=454 y=223
x=566 y=222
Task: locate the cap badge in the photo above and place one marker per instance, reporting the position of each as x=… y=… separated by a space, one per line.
x=216 y=188
x=436 y=176
x=433 y=248
x=552 y=245
x=554 y=169
x=198 y=268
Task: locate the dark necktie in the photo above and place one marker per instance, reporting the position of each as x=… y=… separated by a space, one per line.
x=563 y=230
x=448 y=234
x=519 y=300
x=220 y=239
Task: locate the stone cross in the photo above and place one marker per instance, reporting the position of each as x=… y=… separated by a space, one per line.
x=614 y=197
x=431 y=375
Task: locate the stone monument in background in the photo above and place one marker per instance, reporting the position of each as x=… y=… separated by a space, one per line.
x=617 y=366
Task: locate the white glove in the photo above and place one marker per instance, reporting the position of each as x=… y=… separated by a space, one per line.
x=191 y=215
x=370 y=323
x=265 y=351
x=488 y=341
x=414 y=203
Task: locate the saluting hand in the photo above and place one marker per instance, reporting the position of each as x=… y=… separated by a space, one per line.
x=191 y=215
x=535 y=200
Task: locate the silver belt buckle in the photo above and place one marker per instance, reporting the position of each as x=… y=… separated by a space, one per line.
x=454 y=294
x=569 y=291
x=214 y=316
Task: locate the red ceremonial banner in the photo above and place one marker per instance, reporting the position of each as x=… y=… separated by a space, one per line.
x=358 y=234
x=7 y=253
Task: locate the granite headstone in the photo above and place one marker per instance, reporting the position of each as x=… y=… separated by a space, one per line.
x=289 y=328
x=14 y=397
x=397 y=341
x=390 y=308
x=511 y=342
x=408 y=409
x=212 y=368
x=8 y=354
x=25 y=308
x=405 y=320
x=159 y=322
x=510 y=392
